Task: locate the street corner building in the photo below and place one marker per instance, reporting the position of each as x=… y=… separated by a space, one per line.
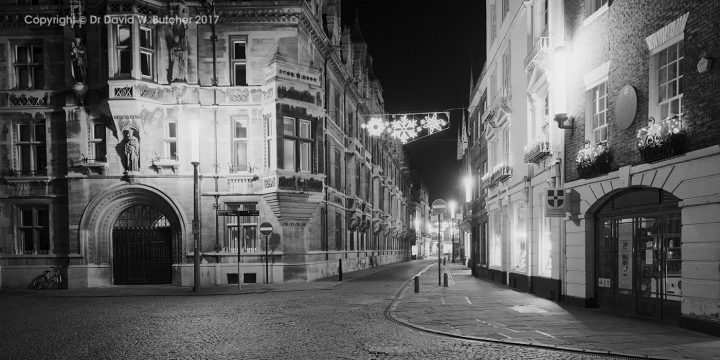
x=103 y=125
x=594 y=153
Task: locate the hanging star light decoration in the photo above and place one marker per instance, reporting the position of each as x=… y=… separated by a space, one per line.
x=375 y=126
x=403 y=129
x=432 y=123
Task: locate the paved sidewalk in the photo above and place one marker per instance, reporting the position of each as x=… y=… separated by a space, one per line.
x=327 y=283
x=479 y=309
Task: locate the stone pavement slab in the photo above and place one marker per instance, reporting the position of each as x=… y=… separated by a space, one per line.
x=475 y=308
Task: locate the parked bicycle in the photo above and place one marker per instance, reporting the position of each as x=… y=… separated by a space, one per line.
x=51 y=279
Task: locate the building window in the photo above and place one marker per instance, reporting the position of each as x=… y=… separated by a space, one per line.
x=33 y=230
x=338 y=111
x=546 y=16
x=669 y=80
x=238 y=62
x=31 y=149
x=506 y=145
x=506 y=68
x=337 y=177
x=545 y=126
x=599 y=116
x=297 y=144
x=147 y=52
x=123 y=49
x=28 y=64
x=338 y=232
x=98 y=142
x=519 y=243
x=505 y=8
x=269 y=134
x=239 y=143
x=493 y=23
x=170 y=140
x=244 y=233
x=357 y=179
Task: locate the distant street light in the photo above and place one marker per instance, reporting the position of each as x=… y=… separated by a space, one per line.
x=452 y=205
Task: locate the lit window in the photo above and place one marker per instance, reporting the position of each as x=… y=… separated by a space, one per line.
x=238 y=62
x=669 y=80
x=171 y=141
x=599 y=113
x=147 y=52
x=98 y=142
x=28 y=64
x=33 y=230
x=31 y=149
x=239 y=143
x=242 y=234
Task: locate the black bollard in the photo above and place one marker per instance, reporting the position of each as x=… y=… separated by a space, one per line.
x=340 y=269
x=445 y=280
x=417 y=284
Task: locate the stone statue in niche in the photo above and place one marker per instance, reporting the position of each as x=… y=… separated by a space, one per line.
x=132 y=151
x=79 y=61
x=178 y=54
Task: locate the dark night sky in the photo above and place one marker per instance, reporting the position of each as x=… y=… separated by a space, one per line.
x=422 y=52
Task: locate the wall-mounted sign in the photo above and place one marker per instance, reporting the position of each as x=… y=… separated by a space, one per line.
x=626 y=107
x=555 y=203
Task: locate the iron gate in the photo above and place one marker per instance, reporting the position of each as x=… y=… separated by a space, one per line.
x=142 y=247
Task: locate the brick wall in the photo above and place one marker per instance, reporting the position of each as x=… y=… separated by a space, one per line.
x=623 y=30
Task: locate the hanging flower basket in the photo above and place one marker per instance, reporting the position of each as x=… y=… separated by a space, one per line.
x=537 y=150
x=658 y=141
x=593 y=160
x=501 y=172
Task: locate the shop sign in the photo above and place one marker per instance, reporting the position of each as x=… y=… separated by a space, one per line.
x=604 y=282
x=555 y=203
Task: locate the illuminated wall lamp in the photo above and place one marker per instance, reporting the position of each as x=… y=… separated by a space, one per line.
x=560 y=119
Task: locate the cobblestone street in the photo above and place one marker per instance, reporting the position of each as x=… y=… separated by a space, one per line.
x=343 y=322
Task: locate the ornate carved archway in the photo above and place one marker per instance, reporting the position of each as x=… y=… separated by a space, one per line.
x=99 y=217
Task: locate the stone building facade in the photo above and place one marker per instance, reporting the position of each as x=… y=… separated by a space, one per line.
x=514 y=152
x=100 y=125
x=626 y=106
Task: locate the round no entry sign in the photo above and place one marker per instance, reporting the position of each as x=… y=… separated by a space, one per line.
x=439 y=206
x=266 y=228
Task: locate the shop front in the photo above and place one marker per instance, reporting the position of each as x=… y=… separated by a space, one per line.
x=638 y=254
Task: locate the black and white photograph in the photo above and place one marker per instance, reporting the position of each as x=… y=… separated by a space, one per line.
x=359 y=179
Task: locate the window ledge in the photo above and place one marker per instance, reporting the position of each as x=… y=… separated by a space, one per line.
x=24 y=179
x=90 y=166
x=162 y=164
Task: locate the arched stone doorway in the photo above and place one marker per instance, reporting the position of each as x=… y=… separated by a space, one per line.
x=138 y=216
x=638 y=257
x=142 y=246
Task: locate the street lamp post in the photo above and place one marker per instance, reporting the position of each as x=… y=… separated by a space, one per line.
x=196 y=227
x=451 y=205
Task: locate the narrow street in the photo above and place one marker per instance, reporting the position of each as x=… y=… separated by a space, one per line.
x=342 y=322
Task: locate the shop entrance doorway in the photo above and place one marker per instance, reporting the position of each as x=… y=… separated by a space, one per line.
x=638 y=253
